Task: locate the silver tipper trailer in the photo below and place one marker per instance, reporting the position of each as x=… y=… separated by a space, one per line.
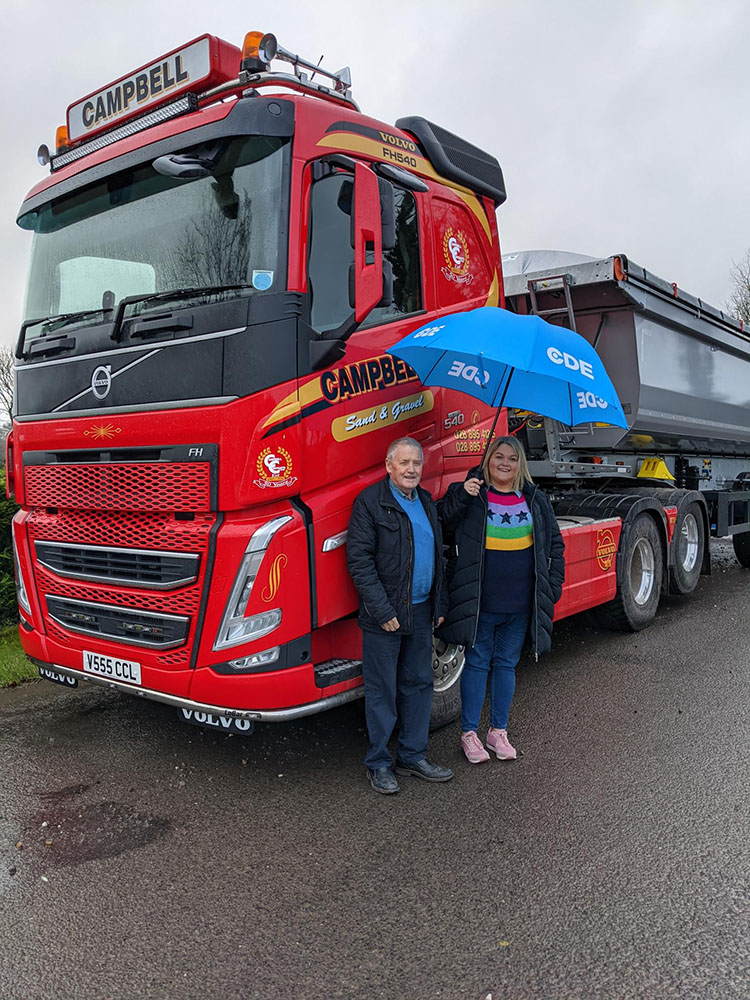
x=681 y=368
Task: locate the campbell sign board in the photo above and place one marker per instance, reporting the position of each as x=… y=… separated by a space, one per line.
x=199 y=65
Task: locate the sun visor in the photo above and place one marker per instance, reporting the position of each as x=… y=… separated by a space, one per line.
x=457 y=160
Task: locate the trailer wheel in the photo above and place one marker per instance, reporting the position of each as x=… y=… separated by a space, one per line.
x=640 y=562
x=741 y=543
x=447 y=665
x=689 y=540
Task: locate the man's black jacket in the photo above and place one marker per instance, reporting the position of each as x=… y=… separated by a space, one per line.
x=380 y=557
x=464 y=521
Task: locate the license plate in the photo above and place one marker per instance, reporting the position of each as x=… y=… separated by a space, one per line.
x=57 y=678
x=221 y=723
x=112 y=667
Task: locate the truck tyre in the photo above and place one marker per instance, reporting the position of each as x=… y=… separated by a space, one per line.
x=688 y=541
x=640 y=562
x=447 y=664
x=741 y=543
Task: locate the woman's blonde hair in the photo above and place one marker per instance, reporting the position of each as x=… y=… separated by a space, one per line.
x=523 y=475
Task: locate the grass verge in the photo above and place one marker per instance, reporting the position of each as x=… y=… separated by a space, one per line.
x=14 y=667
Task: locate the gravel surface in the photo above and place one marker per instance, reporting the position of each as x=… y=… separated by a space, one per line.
x=143 y=858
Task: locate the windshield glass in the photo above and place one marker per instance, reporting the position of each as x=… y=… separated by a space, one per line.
x=139 y=232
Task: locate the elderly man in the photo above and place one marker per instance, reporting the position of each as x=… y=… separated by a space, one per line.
x=394 y=552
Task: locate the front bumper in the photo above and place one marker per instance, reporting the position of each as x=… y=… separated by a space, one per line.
x=256 y=715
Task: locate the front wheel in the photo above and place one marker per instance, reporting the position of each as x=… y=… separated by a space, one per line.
x=639 y=574
x=447 y=664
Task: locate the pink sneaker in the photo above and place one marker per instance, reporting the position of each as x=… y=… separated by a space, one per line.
x=473 y=749
x=497 y=740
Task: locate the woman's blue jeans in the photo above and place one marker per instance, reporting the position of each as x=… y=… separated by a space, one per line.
x=495 y=652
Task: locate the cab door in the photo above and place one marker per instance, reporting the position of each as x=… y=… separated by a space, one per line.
x=363 y=399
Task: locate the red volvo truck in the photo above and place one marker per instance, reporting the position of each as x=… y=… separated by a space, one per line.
x=222 y=254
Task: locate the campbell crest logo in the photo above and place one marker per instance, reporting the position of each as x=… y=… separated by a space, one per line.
x=456 y=254
x=606 y=547
x=274 y=467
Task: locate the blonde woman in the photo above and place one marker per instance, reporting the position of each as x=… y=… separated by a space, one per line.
x=505 y=575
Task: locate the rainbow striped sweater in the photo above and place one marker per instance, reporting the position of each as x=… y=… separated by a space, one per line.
x=508 y=581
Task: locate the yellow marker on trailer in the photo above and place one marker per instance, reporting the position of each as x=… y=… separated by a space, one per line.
x=655 y=468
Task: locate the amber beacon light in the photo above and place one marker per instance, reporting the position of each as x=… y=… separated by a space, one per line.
x=61 y=138
x=257 y=51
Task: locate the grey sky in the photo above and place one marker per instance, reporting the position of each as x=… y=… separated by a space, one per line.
x=620 y=127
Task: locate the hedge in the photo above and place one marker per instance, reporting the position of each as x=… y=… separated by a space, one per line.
x=8 y=606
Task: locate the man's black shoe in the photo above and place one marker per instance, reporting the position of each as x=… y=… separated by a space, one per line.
x=423 y=769
x=382 y=780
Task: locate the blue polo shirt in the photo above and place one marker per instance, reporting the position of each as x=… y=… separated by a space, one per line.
x=424 y=545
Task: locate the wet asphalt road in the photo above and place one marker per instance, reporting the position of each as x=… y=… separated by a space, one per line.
x=610 y=862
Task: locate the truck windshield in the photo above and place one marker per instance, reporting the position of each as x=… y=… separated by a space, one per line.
x=138 y=232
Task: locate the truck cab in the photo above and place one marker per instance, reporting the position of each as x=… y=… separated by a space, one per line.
x=221 y=256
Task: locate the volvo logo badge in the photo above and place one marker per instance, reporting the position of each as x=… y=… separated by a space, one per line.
x=101 y=381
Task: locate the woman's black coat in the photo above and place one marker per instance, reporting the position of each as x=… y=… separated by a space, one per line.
x=464 y=521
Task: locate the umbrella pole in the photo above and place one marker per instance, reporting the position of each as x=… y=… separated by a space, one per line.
x=497 y=415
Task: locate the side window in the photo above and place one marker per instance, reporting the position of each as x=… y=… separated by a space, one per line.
x=331 y=251
x=405 y=261
x=331 y=254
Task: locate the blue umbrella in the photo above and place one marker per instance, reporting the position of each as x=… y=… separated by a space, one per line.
x=507 y=359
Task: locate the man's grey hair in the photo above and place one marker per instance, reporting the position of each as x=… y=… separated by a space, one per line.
x=407 y=442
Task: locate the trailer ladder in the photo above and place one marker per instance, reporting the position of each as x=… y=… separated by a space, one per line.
x=535 y=285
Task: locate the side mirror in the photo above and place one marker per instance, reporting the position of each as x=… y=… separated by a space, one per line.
x=387 y=298
x=368 y=242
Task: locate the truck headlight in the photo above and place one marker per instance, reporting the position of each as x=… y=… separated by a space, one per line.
x=235 y=628
x=23 y=597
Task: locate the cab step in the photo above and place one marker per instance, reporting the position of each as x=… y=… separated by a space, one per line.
x=332 y=672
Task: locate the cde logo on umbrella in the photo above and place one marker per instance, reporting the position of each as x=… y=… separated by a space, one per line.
x=470 y=372
x=558 y=357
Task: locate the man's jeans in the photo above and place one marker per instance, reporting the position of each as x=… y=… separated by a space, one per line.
x=495 y=651
x=397 y=671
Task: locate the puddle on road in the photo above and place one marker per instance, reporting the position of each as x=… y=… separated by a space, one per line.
x=87 y=832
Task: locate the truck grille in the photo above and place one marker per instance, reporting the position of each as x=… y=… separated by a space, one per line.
x=121 y=541
x=127 y=567
x=105 y=621
x=161 y=532
x=134 y=486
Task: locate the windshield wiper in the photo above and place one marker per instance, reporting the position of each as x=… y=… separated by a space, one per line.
x=177 y=293
x=61 y=319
